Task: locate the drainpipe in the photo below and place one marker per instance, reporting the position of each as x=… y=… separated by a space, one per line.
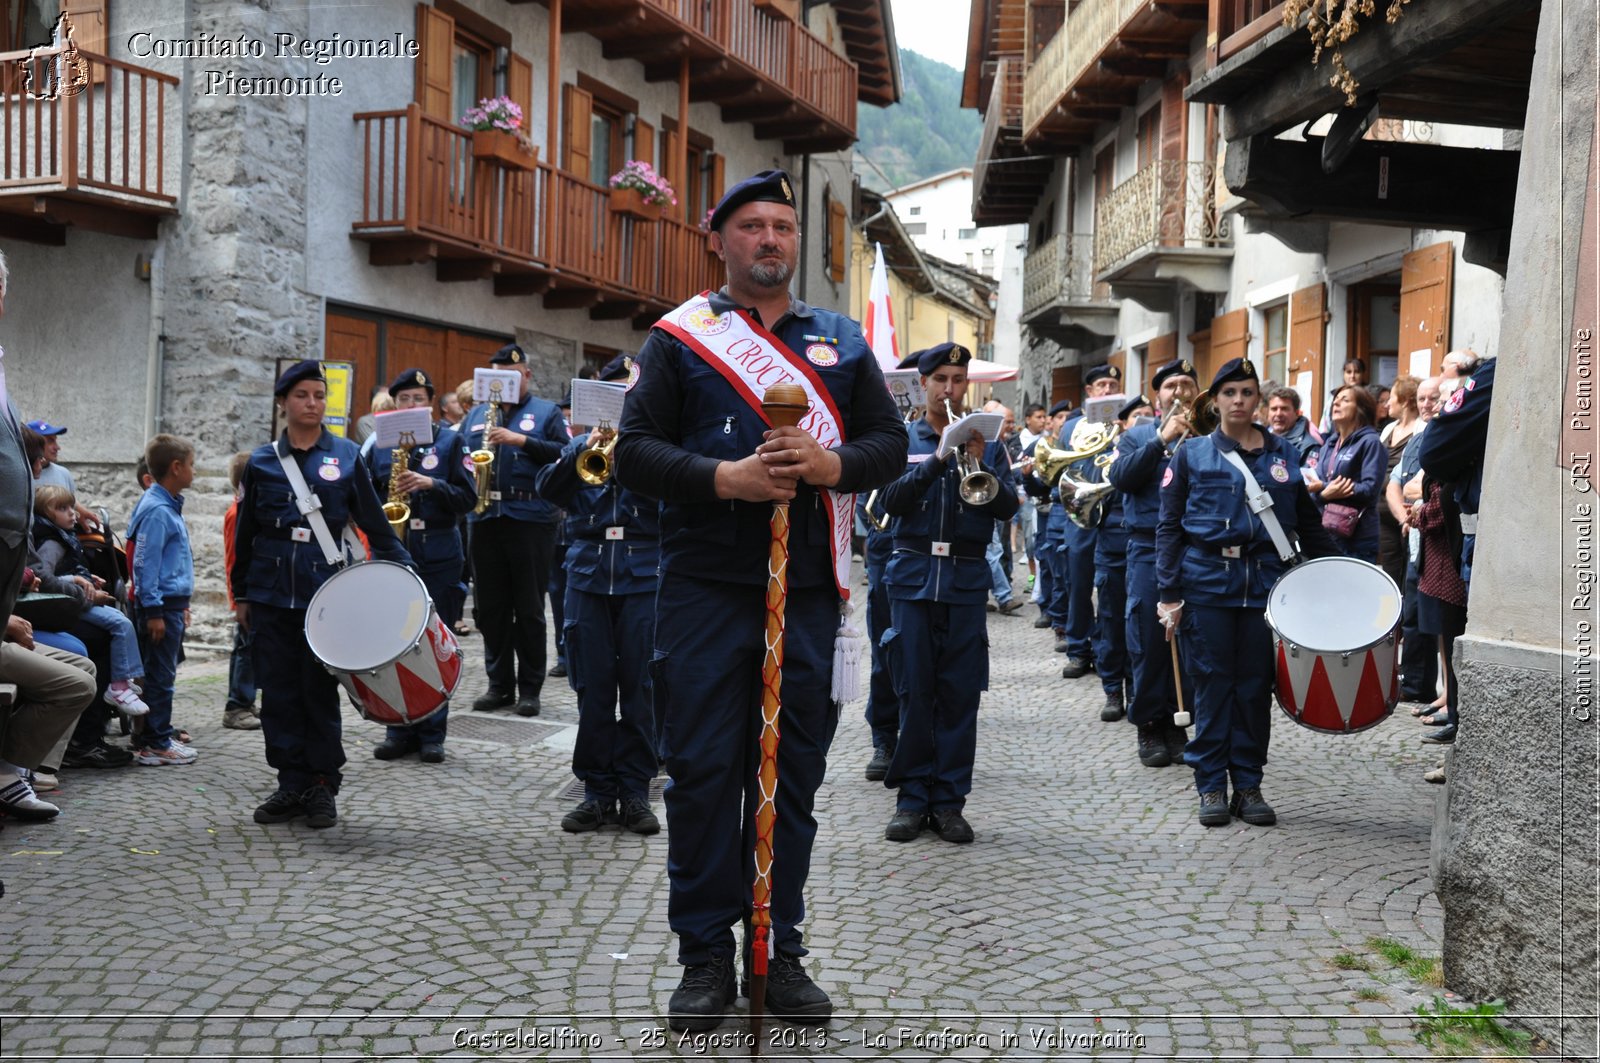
x=805 y=224
x=155 y=355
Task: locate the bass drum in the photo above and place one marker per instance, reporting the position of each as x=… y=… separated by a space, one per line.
x=374 y=627
x=1336 y=623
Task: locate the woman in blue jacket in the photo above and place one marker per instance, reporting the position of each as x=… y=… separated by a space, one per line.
x=1216 y=563
x=1350 y=472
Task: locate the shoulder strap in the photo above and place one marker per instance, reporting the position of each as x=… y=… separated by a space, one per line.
x=1261 y=505
x=309 y=505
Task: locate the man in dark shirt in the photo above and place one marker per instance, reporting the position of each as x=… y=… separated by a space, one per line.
x=693 y=436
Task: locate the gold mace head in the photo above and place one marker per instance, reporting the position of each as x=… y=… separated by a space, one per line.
x=785 y=404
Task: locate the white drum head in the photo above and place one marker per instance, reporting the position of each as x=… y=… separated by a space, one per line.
x=1334 y=605
x=367 y=615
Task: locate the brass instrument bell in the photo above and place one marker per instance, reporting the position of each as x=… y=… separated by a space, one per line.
x=594 y=463
x=978 y=488
x=483 y=457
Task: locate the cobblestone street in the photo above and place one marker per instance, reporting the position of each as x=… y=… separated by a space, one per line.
x=446 y=916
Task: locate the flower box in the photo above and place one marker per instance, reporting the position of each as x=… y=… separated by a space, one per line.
x=499 y=148
x=631 y=202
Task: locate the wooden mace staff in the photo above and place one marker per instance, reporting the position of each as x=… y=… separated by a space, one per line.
x=784 y=405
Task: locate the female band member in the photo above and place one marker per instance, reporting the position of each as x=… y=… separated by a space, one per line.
x=1350 y=472
x=1216 y=562
x=278 y=565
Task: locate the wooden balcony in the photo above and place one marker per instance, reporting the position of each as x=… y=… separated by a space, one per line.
x=1007 y=180
x=758 y=66
x=1094 y=65
x=1060 y=298
x=532 y=231
x=1161 y=230
x=97 y=160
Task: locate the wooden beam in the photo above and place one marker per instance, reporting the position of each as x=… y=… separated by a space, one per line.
x=571 y=298
x=450 y=270
x=522 y=283
x=1134 y=67
x=97 y=217
x=617 y=310
x=33 y=230
x=407 y=251
x=655 y=45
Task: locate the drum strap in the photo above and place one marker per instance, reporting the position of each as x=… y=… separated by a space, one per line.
x=310 y=507
x=1261 y=506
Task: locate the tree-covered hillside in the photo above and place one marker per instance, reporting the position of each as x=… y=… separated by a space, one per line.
x=926 y=133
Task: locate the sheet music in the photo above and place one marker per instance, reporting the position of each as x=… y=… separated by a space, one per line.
x=905 y=388
x=389 y=427
x=1104 y=409
x=483 y=383
x=987 y=425
x=597 y=402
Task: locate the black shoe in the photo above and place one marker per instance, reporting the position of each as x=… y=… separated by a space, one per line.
x=1112 y=710
x=703 y=997
x=431 y=753
x=906 y=825
x=97 y=756
x=1075 y=668
x=281 y=807
x=1250 y=806
x=590 y=815
x=394 y=748
x=1214 y=809
x=952 y=826
x=559 y=669
x=1176 y=739
x=494 y=699
x=528 y=705
x=320 y=810
x=1042 y=622
x=791 y=994
x=1153 y=752
x=637 y=817
x=1444 y=736
x=878 y=766
x=1061 y=644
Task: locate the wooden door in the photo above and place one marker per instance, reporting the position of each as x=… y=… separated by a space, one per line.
x=1308 y=316
x=1425 y=287
x=354 y=340
x=1065 y=383
x=408 y=345
x=468 y=351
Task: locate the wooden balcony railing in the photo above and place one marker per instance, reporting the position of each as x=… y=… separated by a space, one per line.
x=1243 y=22
x=1168 y=204
x=419 y=179
x=1045 y=82
x=1061 y=272
x=105 y=144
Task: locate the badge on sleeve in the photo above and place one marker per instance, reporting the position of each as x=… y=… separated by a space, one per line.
x=1453 y=403
x=1280 y=472
x=526 y=424
x=329 y=472
x=633 y=374
x=431 y=461
x=466 y=462
x=1166 y=477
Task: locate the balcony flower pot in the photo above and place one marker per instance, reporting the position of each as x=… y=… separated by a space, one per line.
x=631 y=202
x=499 y=148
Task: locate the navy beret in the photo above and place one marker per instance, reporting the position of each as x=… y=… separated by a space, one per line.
x=768 y=186
x=1101 y=372
x=310 y=369
x=566 y=399
x=510 y=354
x=928 y=361
x=411 y=378
x=909 y=361
x=1132 y=404
x=1061 y=407
x=617 y=368
x=1234 y=369
x=1176 y=367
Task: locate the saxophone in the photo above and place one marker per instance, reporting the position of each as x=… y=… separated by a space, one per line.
x=396 y=510
x=483 y=457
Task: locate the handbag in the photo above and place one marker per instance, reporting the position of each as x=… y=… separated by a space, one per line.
x=1341 y=520
x=49 y=612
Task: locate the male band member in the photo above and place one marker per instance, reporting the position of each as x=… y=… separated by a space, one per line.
x=938 y=584
x=513 y=540
x=438 y=488
x=883 y=699
x=1079 y=542
x=610 y=613
x=1141 y=461
x=1111 y=587
x=1052 y=588
x=694 y=436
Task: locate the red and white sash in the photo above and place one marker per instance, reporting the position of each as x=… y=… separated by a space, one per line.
x=752 y=359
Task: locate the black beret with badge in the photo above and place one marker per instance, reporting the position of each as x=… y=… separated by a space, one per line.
x=309 y=369
x=932 y=359
x=617 y=368
x=1102 y=372
x=510 y=354
x=1176 y=367
x=411 y=378
x=1064 y=406
x=1234 y=369
x=768 y=186
x=1131 y=405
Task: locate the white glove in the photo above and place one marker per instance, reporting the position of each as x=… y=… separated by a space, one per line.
x=1169 y=613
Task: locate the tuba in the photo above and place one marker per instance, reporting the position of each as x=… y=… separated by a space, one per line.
x=978 y=488
x=396 y=510
x=483 y=457
x=594 y=463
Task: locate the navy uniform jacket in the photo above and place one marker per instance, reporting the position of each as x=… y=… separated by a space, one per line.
x=1136 y=471
x=682 y=418
x=1452 y=447
x=614 y=546
x=1204 y=509
x=927 y=507
x=269 y=566
x=514 y=468
x=454 y=492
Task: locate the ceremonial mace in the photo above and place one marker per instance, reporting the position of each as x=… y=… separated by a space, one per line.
x=784 y=405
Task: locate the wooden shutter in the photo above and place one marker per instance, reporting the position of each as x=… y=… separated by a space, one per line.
x=1200 y=344
x=1425 y=281
x=89 y=21
x=838 y=240
x=1161 y=350
x=579 y=107
x=644 y=141
x=1307 y=346
x=669 y=160
x=1119 y=359
x=519 y=86
x=1174 y=120
x=436 y=39
x=1230 y=338
x=716 y=178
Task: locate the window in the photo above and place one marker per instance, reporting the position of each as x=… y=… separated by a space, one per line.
x=464 y=57
x=1149 y=136
x=915 y=211
x=471 y=71
x=698 y=190
x=917 y=228
x=1275 y=344
x=611 y=122
x=966 y=234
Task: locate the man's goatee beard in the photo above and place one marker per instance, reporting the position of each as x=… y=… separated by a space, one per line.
x=774 y=276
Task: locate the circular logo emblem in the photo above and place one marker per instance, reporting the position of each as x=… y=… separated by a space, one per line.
x=526 y=424
x=431 y=461
x=1279 y=472
x=1453 y=403
x=633 y=376
x=329 y=472
x=701 y=320
x=1167 y=477
x=822 y=354
x=466 y=463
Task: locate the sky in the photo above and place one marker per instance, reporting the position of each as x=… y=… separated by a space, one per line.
x=934 y=28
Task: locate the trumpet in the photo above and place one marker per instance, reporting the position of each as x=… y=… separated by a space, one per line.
x=978 y=488
x=396 y=510
x=483 y=457
x=594 y=463
x=1201 y=412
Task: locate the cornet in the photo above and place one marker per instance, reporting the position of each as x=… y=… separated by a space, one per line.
x=594 y=463
x=978 y=488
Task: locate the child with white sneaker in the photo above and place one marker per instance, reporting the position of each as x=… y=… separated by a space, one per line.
x=55 y=513
x=163 y=581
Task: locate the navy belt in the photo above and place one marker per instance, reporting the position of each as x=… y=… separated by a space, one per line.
x=968 y=550
x=286 y=533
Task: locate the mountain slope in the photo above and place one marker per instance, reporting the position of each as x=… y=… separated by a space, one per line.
x=926 y=133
